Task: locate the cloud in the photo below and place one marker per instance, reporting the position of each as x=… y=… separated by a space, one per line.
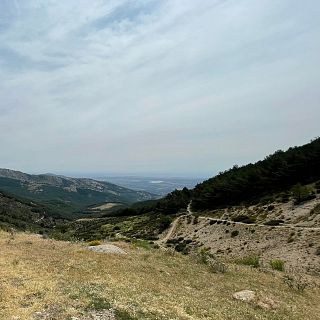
x=181 y=87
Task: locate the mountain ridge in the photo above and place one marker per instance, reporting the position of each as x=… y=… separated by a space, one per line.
x=71 y=194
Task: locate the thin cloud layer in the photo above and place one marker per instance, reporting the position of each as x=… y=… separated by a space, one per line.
x=146 y=86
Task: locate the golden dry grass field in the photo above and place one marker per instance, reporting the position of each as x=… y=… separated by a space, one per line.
x=47 y=279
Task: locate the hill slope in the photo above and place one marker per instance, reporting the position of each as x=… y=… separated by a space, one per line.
x=276 y=173
x=68 y=195
x=25 y=215
x=47 y=279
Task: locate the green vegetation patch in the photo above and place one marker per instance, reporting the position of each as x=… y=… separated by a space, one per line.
x=277 y=264
x=253 y=261
x=94 y=243
x=274 y=222
x=244 y=219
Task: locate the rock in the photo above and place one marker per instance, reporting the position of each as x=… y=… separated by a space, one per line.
x=107 y=248
x=97 y=315
x=245 y=295
x=262 y=302
x=268 y=304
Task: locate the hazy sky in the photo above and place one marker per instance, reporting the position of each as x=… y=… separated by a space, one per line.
x=182 y=87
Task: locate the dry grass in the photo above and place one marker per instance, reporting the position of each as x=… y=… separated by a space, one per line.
x=67 y=280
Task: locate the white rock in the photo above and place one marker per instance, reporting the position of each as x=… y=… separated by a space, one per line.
x=245 y=295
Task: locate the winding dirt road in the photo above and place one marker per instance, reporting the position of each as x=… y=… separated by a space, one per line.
x=174 y=224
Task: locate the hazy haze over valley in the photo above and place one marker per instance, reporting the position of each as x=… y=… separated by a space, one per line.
x=155 y=185
x=175 y=87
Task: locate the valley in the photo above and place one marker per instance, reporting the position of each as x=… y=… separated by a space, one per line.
x=160 y=160
x=251 y=230
x=70 y=196
x=155 y=185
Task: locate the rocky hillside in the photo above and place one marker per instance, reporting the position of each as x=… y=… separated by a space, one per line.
x=260 y=233
x=65 y=194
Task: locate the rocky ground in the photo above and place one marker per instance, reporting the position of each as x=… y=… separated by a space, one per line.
x=294 y=239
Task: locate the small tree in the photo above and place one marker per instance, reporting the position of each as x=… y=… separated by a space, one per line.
x=300 y=192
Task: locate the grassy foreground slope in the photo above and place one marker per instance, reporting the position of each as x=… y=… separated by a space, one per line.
x=46 y=279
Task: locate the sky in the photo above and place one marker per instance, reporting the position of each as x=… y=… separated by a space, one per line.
x=161 y=87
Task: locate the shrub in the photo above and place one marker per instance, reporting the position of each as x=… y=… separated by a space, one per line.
x=208 y=259
x=315 y=210
x=302 y=193
x=273 y=222
x=182 y=247
x=295 y=281
x=216 y=266
x=253 y=261
x=98 y=303
x=139 y=243
x=277 y=264
x=123 y=315
x=244 y=219
x=234 y=233
x=318 y=251
x=94 y=243
x=164 y=223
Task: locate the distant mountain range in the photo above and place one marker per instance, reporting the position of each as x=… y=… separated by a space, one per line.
x=67 y=195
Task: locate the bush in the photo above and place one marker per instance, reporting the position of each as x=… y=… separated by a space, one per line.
x=295 y=281
x=273 y=222
x=139 y=243
x=182 y=247
x=253 y=261
x=214 y=265
x=164 y=223
x=94 y=243
x=277 y=264
x=302 y=193
x=234 y=233
x=244 y=219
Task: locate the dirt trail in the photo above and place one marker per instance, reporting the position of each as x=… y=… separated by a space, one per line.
x=290 y=226
x=174 y=224
x=170 y=232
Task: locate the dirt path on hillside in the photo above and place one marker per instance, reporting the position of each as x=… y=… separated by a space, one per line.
x=290 y=226
x=190 y=212
x=170 y=232
x=174 y=224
